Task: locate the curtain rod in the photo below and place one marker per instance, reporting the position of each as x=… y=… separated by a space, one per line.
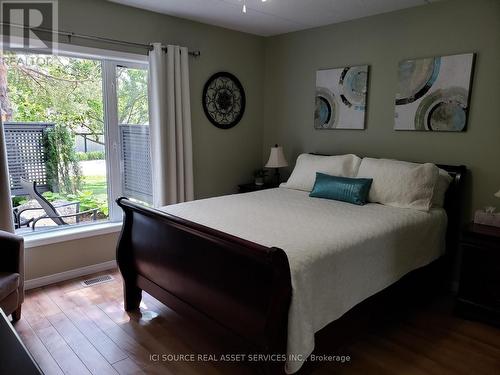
x=70 y=34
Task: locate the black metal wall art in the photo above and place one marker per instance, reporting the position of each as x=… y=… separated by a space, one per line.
x=223 y=100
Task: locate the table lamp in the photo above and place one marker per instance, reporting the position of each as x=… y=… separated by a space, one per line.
x=276 y=160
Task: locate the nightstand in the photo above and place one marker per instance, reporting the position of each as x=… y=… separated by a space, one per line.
x=247 y=188
x=479 y=289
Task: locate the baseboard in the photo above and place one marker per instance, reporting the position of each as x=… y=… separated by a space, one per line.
x=67 y=275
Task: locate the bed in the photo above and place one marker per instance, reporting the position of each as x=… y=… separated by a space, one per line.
x=277 y=266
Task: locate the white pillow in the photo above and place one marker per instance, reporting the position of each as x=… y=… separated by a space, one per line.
x=304 y=173
x=399 y=183
x=442 y=185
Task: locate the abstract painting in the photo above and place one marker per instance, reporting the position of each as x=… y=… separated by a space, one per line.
x=341 y=98
x=433 y=93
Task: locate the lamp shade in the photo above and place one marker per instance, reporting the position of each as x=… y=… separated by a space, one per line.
x=276 y=158
x=497 y=194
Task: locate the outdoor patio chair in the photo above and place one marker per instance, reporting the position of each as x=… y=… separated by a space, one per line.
x=50 y=210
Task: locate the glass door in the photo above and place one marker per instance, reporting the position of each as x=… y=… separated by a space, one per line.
x=127 y=123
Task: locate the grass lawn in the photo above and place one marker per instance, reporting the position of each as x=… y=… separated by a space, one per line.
x=97 y=185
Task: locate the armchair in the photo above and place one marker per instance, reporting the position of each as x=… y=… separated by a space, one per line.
x=11 y=274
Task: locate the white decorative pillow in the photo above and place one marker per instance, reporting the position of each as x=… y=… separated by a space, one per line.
x=304 y=173
x=442 y=185
x=399 y=183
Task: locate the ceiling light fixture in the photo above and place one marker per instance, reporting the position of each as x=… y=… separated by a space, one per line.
x=244 y=9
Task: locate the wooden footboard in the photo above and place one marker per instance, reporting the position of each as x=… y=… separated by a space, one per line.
x=194 y=269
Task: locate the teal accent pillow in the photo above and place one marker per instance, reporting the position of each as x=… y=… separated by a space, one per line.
x=352 y=190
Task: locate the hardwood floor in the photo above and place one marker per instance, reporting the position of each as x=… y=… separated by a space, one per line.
x=71 y=329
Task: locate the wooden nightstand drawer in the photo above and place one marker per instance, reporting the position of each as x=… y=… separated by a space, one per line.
x=480 y=262
x=479 y=289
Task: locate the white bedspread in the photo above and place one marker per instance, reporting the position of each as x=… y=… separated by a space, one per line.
x=339 y=253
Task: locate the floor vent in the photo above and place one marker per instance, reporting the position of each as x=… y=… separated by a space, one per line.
x=97 y=280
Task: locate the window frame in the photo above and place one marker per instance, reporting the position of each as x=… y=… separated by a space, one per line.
x=112 y=131
x=110 y=60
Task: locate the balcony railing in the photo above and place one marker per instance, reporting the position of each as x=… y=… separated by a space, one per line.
x=26 y=158
x=25 y=155
x=136 y=162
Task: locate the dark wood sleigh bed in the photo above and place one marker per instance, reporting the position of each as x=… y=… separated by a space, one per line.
x=240 y=285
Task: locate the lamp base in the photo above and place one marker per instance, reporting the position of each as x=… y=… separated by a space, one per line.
x=277 y=177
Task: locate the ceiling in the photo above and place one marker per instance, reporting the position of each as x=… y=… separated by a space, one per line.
x=272 y=17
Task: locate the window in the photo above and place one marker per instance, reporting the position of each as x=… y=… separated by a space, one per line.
x=130 y=128
x=77 y=132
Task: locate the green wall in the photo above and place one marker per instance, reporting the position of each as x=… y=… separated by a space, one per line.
x=443 y=28
x=222 y=158
x=279 y=77
x=278 y=74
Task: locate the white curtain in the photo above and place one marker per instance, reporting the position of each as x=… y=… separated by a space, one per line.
x=170 y=125
x=6 y=222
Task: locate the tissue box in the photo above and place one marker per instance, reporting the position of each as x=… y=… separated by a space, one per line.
x=484 y=218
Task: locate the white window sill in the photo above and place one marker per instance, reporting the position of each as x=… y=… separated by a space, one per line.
x=69 y=234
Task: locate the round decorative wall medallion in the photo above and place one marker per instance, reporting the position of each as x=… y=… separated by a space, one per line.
x=223 y=100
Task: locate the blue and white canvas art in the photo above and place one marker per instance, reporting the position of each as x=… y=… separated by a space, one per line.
x=341 y=98
x=433 y=93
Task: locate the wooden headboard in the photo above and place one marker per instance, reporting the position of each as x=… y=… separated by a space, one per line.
x=453 y=204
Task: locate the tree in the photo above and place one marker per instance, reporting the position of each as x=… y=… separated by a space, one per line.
x=5 y=105
x=56 y=89
x=63 y=91
x=68 y=91
x=132 y=92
